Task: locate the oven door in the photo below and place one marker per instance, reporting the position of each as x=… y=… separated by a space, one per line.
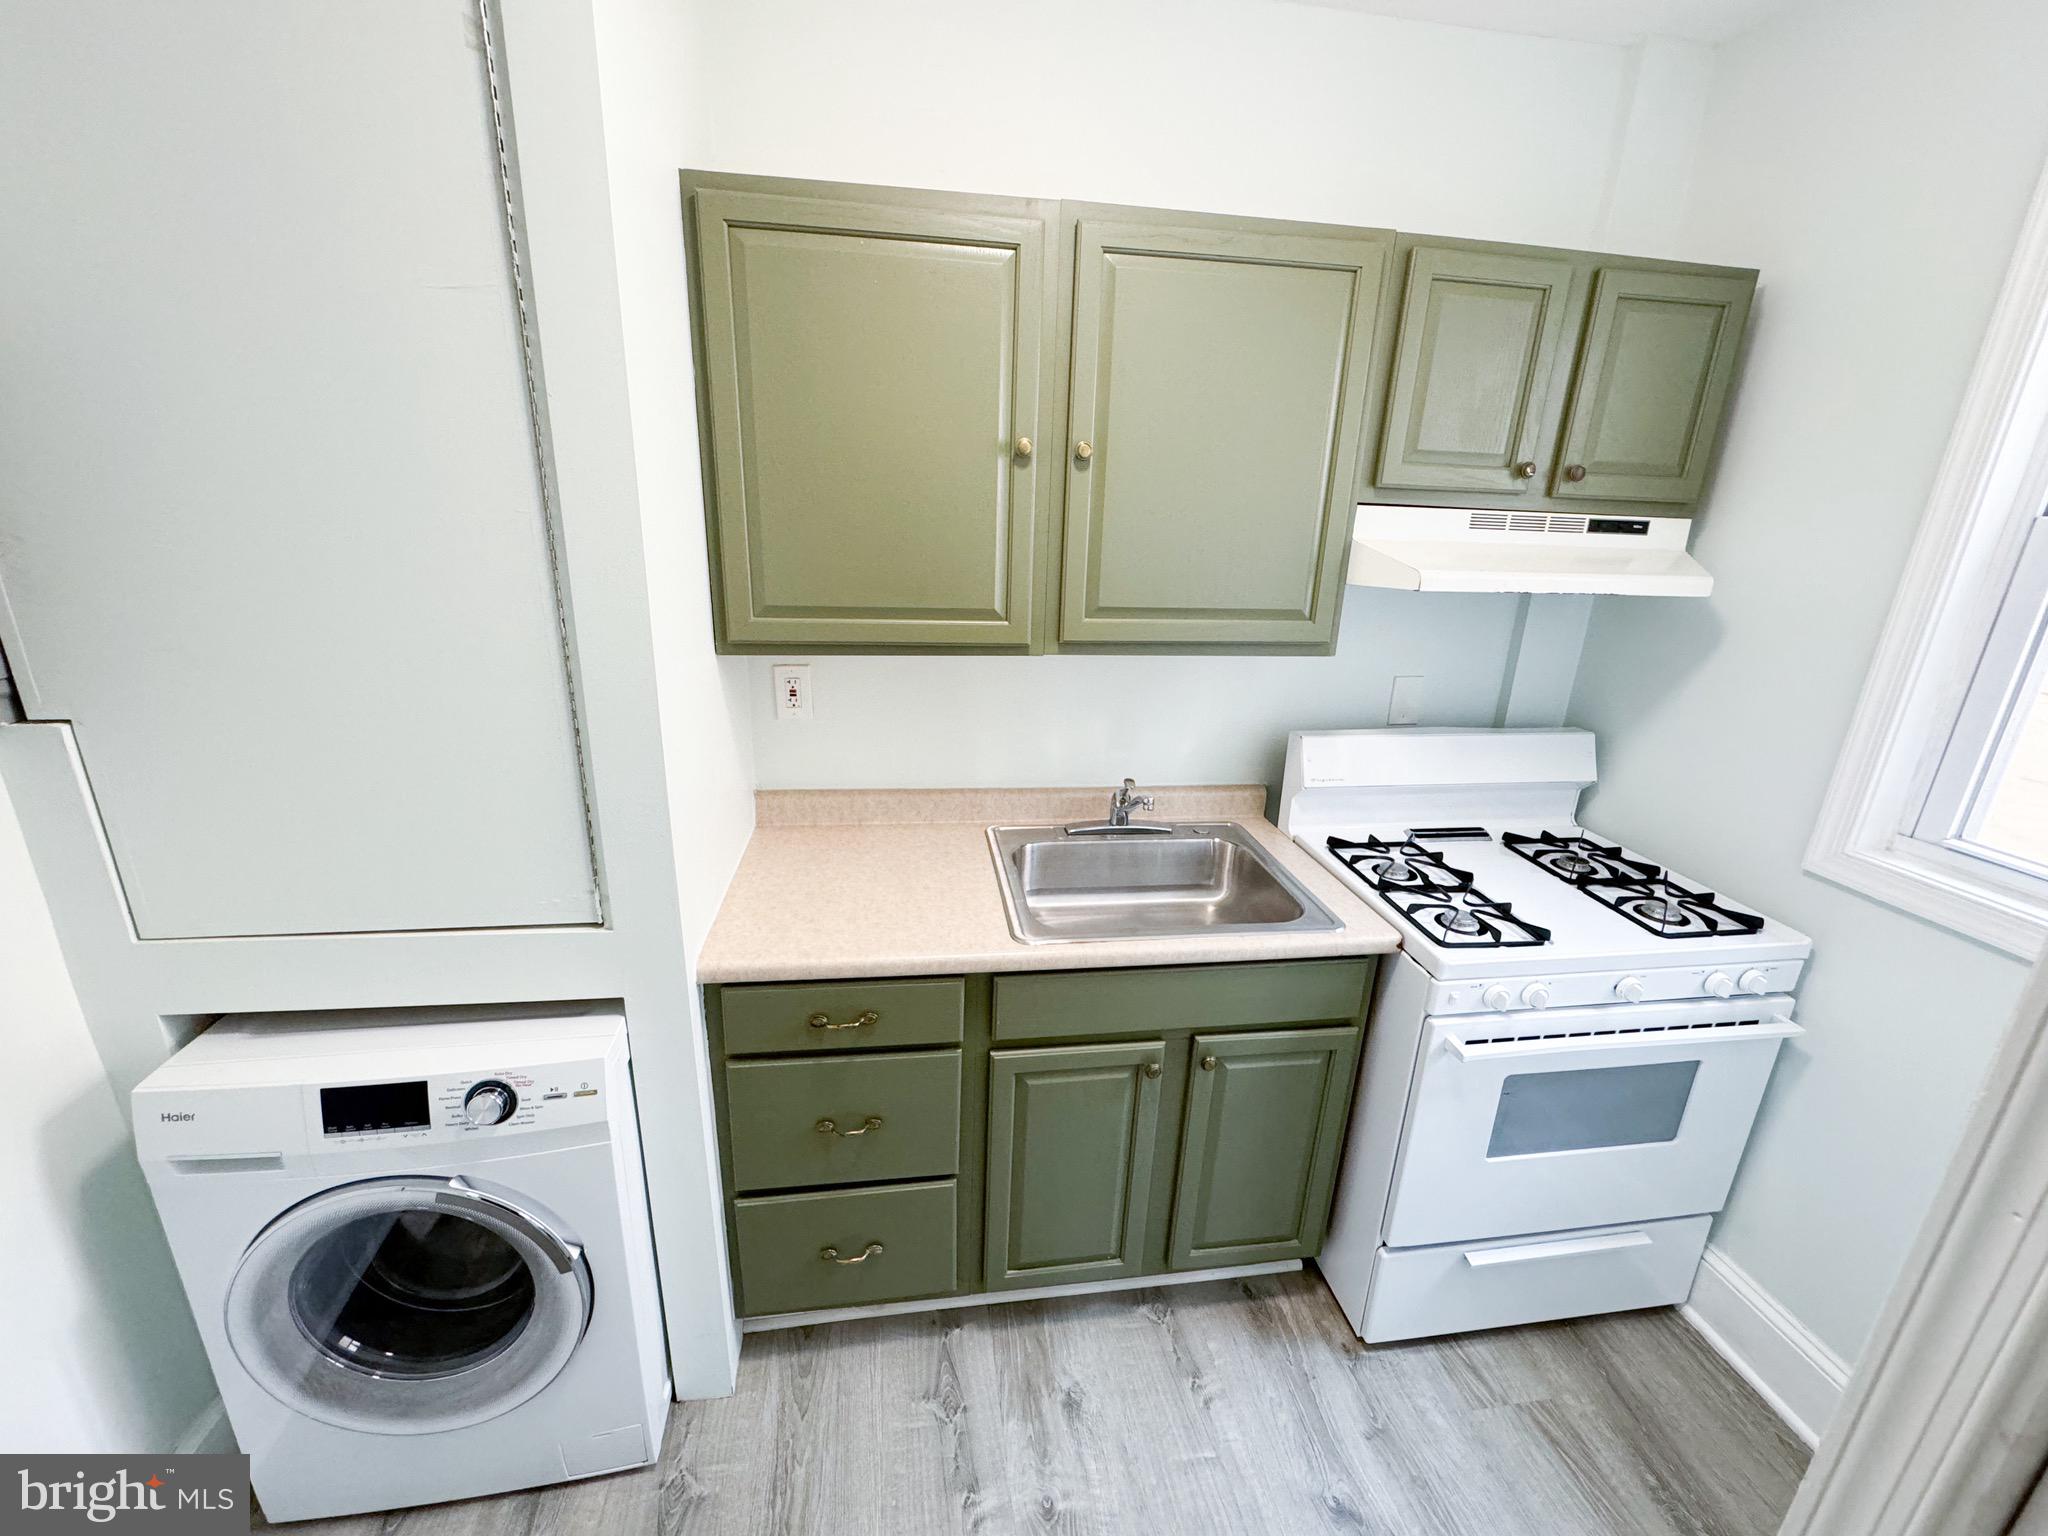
x=1580 y=1117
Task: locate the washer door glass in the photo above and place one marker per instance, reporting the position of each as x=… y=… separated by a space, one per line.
x=408 y=1305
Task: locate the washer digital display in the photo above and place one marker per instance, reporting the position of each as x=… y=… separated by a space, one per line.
x=373 y=1107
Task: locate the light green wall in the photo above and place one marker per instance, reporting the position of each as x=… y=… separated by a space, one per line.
x=1871 y=167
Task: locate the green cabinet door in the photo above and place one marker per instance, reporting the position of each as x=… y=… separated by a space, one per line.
x=1479 y=338
x=1070 y=1154
x=1653 y=378
x=1259 y=1145
x=871 y=376
x=1214 y=415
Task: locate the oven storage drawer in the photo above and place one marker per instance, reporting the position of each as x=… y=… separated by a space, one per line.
x=1579 y=1117
x=846 y=1247
x=1418 y=1293
x=854 y=1118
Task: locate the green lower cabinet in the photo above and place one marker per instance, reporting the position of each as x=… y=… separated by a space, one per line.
x=1259 y=1145
x=851 y=1118
x=1071 y=1136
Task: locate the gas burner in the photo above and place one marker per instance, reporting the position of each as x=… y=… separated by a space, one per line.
x=1469 y=920
x=1437 y=898
x=1640 y=892
x=1391 y=868
x=1670 y=910
x=1577 y=860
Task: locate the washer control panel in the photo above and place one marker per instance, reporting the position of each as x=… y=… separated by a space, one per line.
x=494 y=1101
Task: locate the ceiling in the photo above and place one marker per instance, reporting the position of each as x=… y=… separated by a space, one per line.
x=1596 y=21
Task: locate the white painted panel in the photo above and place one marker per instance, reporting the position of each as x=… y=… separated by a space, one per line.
x=271 y=534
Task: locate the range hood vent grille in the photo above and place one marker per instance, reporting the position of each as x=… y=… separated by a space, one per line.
x=1525 y=522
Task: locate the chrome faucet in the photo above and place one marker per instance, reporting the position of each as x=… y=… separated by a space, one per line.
x=1126 y=800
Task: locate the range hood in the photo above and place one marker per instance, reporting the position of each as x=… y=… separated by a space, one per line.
x=1465 y=549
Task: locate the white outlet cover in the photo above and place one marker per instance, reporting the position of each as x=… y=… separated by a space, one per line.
x=1404 y=706
x=792 y=697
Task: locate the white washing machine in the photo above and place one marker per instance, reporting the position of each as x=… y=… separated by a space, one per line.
x=417 y=1247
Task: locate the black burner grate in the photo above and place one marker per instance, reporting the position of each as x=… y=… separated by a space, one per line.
x=1641 y=892
x=1437 y=897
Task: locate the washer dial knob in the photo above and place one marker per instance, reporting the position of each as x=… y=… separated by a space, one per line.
x=1754 y=982
x=1629 y=989
x=1537 y=994
x=489 y=1103
x=1497 y=998
x=1719 y=984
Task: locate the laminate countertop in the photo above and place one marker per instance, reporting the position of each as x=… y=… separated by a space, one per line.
x=902 y=883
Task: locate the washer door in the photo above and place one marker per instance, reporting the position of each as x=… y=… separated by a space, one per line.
x=405 y=1306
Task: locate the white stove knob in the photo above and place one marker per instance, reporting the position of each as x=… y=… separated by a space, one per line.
x=1496 y=998
x=1630 y=989
x=1720 y=985
x=1537 y=994
x=1754 y=982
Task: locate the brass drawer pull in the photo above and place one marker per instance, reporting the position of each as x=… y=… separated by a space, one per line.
x=829 y=1128
x=831 y=1255
x=858 y=1021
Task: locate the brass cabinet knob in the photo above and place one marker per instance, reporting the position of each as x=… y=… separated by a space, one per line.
x=1526 y=470
x=1208 y=1063
x=1152 y=1069
x=1023 y=447
x=1575 y=473
x=1084 y=451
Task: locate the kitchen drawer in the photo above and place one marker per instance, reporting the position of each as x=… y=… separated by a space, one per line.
x=1200 y=997
x=901 y=1239
x=1458 y=1287
x=852 y=1119
x=841 y=1015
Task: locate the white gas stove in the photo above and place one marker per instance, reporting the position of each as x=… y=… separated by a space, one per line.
x=1565 y=1060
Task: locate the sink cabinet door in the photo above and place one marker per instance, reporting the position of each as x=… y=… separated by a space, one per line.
x=1479 y=338
x=1653 y=378
x=1259 y=1145
x=1214 y=416
x=1071 y=1143
x=871 y=376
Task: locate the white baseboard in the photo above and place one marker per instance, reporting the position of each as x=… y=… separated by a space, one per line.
x=1800 y=1377
x=1024 y=1293
x=208 y=1433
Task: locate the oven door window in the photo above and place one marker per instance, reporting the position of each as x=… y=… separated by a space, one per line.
x=1590 y=1107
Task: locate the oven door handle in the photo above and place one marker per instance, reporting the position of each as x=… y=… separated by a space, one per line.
x=1711 y=1034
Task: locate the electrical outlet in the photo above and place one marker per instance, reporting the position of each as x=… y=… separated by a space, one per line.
x=793 y=692
x=1404 y=707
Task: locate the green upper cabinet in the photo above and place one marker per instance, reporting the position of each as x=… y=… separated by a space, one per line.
x=1071 y=1133
x=1480 y=332
x=1259 y=1145
x=1215 y=407
x=1653 y=379
x=871 y=382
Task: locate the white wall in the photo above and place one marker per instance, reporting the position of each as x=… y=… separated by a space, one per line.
x=1874 y=162
x=99 y=1355
x=1241 y=106
x=645 y=52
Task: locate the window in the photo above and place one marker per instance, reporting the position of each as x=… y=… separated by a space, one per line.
x=1940 y=802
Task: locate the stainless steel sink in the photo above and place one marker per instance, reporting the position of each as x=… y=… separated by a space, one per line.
x=1192 y=878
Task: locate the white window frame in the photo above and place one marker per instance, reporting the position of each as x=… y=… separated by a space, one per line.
x=1886 y=827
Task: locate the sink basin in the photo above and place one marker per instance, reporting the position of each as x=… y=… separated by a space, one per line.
x=1195 y=878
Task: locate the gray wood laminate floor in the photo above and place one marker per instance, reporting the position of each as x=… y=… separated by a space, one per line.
x=1234 y=1406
